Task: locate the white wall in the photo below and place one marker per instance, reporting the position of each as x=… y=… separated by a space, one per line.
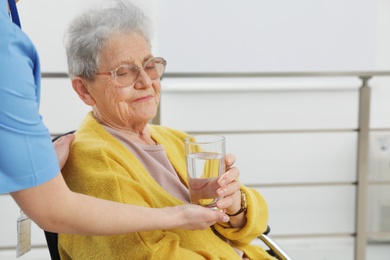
x=231 y=35
x=293 y=137
x=251 y=35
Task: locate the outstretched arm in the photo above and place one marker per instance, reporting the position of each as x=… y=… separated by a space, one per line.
x=56 y=208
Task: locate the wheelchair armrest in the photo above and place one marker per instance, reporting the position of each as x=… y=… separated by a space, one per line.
x=275 y=250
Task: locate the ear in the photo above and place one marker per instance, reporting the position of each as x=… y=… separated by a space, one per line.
x=80 y=86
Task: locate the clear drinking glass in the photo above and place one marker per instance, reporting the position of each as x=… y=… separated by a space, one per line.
x=205 y=163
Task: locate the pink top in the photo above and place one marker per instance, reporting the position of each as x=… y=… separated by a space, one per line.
x=155 y=161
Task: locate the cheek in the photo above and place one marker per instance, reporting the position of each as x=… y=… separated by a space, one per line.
x=116 y=97
x=157 y=86
x=117 y=94
x=157 y=90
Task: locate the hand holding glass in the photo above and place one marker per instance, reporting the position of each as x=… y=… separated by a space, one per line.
x=205 y=164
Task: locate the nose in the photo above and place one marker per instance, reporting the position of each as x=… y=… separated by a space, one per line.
x=143 y=80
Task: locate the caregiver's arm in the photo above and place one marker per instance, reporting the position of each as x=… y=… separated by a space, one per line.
x=56 y=208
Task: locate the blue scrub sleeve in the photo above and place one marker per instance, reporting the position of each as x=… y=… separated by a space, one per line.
x=27 y=156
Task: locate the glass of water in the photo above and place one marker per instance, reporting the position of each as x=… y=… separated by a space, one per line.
x=205 y=164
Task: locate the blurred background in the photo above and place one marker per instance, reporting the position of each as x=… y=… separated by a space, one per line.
x=300 y=89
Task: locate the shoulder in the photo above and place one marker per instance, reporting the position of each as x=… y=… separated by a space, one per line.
x=91 y=137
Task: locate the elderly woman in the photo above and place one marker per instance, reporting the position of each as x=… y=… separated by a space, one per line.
x=117 y=155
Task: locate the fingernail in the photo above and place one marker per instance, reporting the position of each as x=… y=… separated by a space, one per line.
x=225 y=218
x=220 y=192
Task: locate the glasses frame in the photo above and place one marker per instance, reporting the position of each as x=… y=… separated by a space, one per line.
x=113 y=72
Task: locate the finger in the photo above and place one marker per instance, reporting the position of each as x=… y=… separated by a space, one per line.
x=229 y=189
x=68 y=138
x=231 y=175
x=222 y=217
x=226 y=201
x=218 y=216
x=230 y=159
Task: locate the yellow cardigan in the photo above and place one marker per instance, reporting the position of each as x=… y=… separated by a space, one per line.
x=99 y=165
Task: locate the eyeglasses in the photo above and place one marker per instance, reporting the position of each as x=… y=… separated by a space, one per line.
x=127 y=74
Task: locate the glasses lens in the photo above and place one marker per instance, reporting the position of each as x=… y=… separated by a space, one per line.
x=155 y=68
x=126 y=74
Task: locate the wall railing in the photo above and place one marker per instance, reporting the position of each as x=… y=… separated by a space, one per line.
x=363 y=133
x=363 y=130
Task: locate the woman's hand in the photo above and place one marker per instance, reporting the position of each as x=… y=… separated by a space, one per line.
x=61 y=145
x=229 y=189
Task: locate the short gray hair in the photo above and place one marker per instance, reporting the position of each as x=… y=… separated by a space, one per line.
x=88 y=33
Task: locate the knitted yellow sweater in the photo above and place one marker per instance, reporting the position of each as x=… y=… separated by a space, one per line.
x=99 y=165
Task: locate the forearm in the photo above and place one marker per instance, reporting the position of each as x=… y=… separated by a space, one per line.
x=55 y=208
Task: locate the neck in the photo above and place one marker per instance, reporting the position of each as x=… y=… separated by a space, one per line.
x=138 y=132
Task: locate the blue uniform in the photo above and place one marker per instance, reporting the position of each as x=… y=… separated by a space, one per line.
x=27 y=156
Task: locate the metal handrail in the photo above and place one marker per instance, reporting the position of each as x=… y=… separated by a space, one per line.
x=276 y=74
x=253 y=74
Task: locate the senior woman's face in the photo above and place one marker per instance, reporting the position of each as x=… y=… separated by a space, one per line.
x=121 y=105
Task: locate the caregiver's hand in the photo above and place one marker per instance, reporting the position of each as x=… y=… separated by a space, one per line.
x=192 y=217
x=61 y=145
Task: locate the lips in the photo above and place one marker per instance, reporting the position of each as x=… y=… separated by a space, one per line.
x=144 y=98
